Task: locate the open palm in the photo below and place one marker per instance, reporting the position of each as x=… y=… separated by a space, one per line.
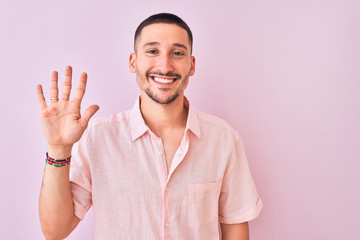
x=61 y=120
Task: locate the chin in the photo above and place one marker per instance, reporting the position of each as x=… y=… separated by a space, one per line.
x=163 y=100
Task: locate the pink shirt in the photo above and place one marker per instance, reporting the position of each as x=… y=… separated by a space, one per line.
x=119 y=168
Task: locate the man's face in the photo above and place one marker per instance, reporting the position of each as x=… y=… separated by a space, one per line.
x=162 y=62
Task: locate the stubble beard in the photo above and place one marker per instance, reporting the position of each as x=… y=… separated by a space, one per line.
x=171 y=98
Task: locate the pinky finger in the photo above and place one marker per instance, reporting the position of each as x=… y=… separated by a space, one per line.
x=40 y=97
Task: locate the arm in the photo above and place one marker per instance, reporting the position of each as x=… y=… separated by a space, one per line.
x=63 y=126
x=235 y=231
x=55 y=204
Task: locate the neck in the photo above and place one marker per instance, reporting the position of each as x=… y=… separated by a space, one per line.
x=163 y=117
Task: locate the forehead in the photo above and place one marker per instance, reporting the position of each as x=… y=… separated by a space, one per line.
x=163 y=33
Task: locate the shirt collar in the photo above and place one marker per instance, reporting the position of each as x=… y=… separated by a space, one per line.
x=192 y=122
x=137 y=123
x=138 y=126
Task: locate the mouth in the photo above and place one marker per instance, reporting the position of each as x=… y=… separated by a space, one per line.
x=163 y=80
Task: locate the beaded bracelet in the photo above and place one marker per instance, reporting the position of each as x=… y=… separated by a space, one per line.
x=57 y=163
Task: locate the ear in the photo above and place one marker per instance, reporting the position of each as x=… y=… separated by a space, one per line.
x=132 y=63
x=192 y=68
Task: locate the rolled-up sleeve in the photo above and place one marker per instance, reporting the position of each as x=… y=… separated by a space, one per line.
x=80 y=179
x=239 y=200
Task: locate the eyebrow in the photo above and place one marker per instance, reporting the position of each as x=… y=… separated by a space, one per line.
x=157 y=43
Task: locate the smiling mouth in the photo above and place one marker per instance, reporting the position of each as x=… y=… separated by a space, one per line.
x=163 y=80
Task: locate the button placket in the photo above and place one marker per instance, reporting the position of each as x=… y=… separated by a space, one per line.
x=160 y=155
x=166 y=210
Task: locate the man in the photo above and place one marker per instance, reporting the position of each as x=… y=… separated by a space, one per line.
x=161 y=170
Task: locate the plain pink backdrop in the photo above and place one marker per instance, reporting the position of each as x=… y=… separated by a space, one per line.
x=284 y=73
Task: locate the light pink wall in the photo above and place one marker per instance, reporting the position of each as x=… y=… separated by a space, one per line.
x=284 y=73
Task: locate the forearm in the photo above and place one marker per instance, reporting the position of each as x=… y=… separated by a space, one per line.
x=55 y=204
x=235 y=231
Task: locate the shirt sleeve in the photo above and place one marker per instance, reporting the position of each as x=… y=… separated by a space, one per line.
x=239 y=200
x=80 y=179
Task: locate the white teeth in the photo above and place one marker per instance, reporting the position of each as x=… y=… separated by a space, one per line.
x=163 y=80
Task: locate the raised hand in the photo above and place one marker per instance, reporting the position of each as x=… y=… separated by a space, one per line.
x=61 y=120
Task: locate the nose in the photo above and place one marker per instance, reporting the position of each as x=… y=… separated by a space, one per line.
x=165 y=64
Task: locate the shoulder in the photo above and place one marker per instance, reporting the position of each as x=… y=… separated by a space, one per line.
x=218 y=135
x=207 y=120
x=216 y=127
x=111 y=119
x=113 y=123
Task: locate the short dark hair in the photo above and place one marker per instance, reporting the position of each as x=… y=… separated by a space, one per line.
x=164 y=18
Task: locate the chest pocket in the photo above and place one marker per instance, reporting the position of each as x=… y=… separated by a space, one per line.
x=203 y=204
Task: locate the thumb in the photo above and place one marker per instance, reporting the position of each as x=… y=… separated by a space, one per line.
x=89 y=112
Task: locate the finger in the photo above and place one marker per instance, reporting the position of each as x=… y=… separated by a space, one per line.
x=54 y=91
x=66 y=88
x=90 y=111
x=40 y=97
x=80 y=91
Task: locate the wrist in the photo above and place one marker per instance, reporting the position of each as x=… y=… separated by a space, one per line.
x=57 y=162
x=59 y=152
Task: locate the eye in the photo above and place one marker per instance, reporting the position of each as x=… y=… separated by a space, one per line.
x=178 y=53
x=151 y=51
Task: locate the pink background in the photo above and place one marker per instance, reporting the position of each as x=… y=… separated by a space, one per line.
x=285 y=74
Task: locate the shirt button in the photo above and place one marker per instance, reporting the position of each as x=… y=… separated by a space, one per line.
x=167 y=224
x=166 y=189
x=160 y=152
